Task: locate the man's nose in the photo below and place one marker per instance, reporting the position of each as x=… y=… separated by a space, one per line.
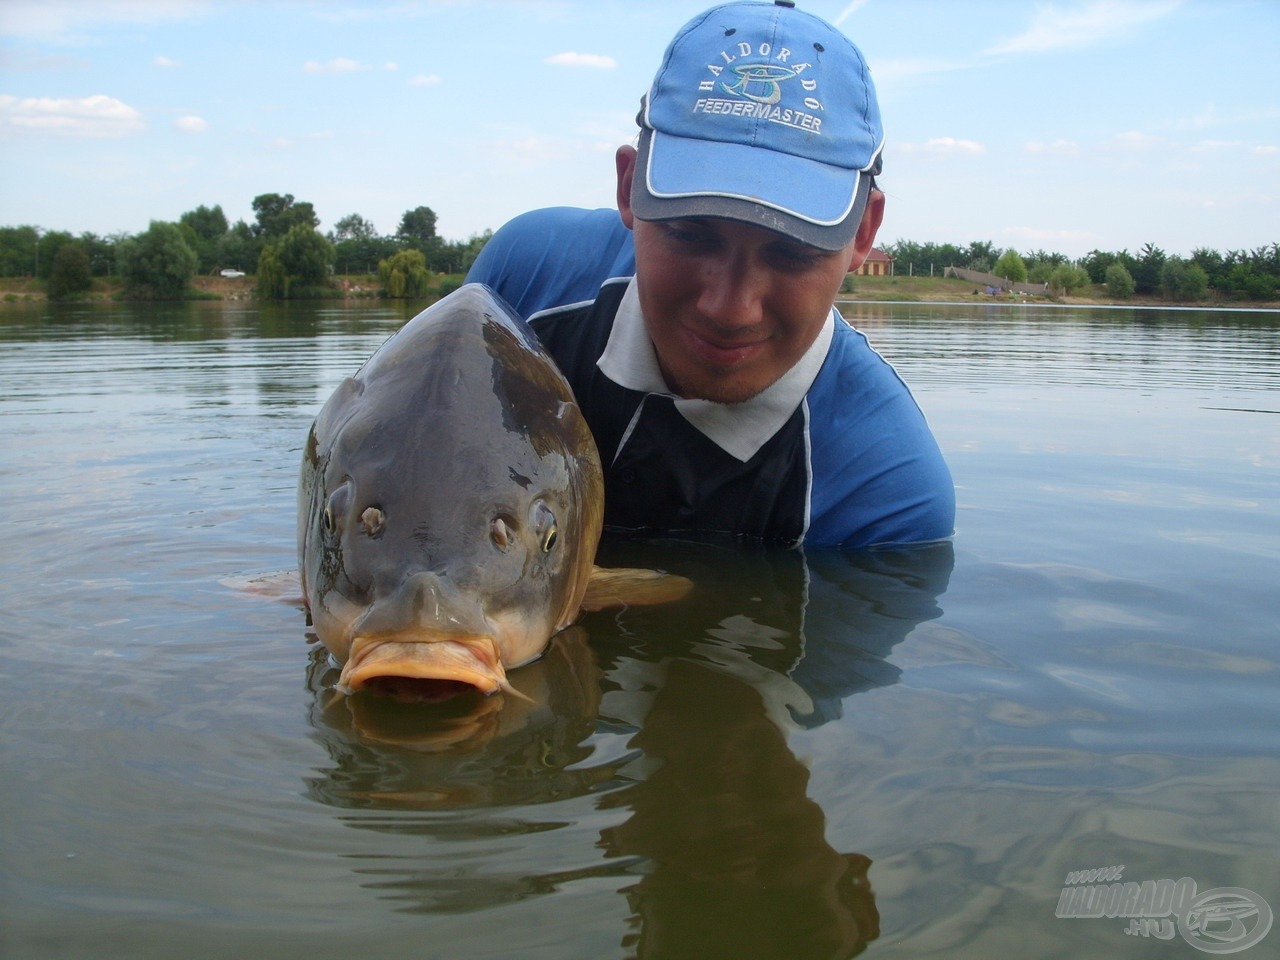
x=732 y=293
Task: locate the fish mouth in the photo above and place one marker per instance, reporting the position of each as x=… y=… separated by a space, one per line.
x=424 y=670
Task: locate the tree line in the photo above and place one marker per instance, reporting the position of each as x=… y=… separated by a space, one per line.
x=283 y=247
x=1235 y=275
x=290 y=257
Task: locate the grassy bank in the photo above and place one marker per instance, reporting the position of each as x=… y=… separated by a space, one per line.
x=904 y=289
x=953 y=290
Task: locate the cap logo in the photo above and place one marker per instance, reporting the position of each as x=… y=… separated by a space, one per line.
x=754 y=88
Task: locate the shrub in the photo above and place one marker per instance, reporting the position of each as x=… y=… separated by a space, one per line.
x=405 y=275
x=157 y=264
x=1119 y=281
x=71 y=271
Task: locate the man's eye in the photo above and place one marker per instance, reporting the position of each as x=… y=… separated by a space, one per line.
x=690 y=236
x=796 y=258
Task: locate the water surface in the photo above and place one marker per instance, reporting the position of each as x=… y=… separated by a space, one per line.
x=904 y=753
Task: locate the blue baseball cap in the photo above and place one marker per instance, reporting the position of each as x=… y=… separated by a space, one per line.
x=765 y=114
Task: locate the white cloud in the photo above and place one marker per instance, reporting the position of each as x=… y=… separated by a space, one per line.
x=66 y=21
x=1134 y=140
x=1266 y=150
x=97 y=116
x=391 y=66
x=848 y=12
x=1083 y=25
x=1059 y=148
x=425 y=80
x=947 y=145
x=594 y=60
x=191 y=124
x=336 y=65
x=166 y=62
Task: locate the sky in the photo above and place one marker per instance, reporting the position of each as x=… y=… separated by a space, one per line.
x=1065 y=126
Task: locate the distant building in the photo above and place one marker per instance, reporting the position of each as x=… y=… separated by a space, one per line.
x=877 y=264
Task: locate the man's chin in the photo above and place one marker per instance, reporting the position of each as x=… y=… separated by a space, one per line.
x=730 y=386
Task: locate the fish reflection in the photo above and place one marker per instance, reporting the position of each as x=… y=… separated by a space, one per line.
x=715 y=844
x=466 y=751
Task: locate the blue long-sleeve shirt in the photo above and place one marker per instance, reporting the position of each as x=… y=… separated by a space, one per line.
x=837 y=454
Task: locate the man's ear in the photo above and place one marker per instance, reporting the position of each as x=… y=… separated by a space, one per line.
x=624 y=162
x=865 y=238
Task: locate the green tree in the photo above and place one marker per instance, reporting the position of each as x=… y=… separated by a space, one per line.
x=277 y=214
x=1119 y=281
x=417 y=228
x=306 y=256
x=457 y=257
x=71 y=271
x=1211 y=262
x=1011 y=267
x=352 y=227
x=1183 y=280
x=204 y=227
x=1243 y=281
x=238 y=248
x=209 y=223
x=1040 y=271
x=18 y=251
x=1095 y=264
x=405 y=275
x=359 y=248
x=101 y=252
x=1146 y=270
x=981 y=255
x=417 y=231
x=273 y=282
x=1067 y=279
x=47 y=251
x=157 y=264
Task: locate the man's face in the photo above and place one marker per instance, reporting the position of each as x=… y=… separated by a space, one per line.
x=731 y=307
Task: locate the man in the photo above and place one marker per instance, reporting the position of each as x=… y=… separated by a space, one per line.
x=726 y=394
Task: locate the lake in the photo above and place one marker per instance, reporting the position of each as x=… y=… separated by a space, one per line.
x=1056 y=736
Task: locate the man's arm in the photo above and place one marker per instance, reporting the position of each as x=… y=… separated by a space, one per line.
x=878 y=474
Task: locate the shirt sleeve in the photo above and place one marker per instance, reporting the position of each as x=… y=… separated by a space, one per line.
x=554 y=257
x=878 y=474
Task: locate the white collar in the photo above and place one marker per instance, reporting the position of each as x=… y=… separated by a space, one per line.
x=740 y=429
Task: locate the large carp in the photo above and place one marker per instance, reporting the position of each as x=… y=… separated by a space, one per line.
x=449 y=506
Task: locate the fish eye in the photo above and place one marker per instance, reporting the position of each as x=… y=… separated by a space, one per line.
x=544 y=525
x=335 y=507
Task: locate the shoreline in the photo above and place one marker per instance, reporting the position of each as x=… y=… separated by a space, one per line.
x=865 y=290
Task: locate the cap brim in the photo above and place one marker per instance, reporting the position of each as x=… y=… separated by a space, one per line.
x=811 y=202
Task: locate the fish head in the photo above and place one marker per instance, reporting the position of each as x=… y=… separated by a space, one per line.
x=450 y=504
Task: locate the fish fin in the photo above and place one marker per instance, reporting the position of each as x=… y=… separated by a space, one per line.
x=510 y=691
x=628 y=587
x=285 y=586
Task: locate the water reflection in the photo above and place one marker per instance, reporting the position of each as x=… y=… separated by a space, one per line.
x=469 y=751
x=674 y=719
x=737 y=861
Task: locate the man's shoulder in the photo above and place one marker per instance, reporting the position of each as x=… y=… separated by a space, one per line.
x=557 y=224
x=854 y=370
x=555 y=256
